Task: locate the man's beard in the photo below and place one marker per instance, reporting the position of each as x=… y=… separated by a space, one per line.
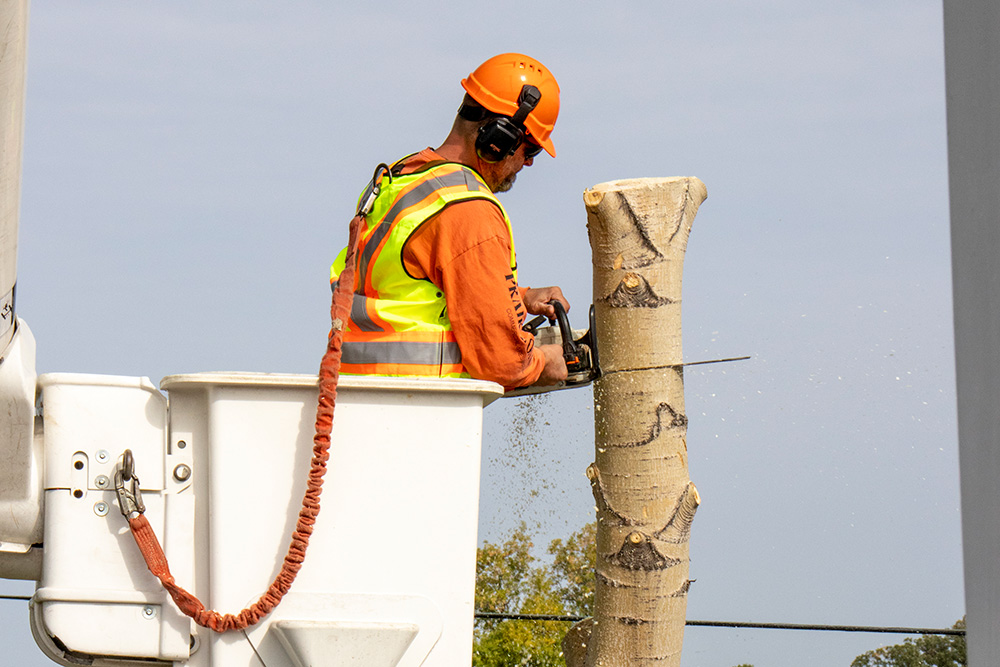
x=505 y=185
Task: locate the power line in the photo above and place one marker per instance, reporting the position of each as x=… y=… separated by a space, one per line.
x=496 y=616
x=488 y=615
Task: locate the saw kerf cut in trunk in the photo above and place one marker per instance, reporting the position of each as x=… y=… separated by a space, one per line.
x=645 y=499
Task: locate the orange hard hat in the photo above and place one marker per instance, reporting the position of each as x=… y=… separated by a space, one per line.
x=497 y=83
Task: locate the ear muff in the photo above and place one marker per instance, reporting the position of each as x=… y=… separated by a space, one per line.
x=501 y=136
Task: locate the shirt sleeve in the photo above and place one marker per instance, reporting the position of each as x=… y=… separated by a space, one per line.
x=465 y=251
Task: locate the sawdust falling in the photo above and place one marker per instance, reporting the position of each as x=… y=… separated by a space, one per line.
x=535 y=453
x=519 y=468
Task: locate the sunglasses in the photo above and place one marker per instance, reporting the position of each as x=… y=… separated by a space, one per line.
x=531 y=149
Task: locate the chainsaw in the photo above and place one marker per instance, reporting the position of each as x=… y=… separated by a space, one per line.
x=579 y=350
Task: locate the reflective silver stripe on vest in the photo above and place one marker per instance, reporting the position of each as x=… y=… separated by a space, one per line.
x=471 y=181
x=414 y=196
x=399 y=352
x=359 y=314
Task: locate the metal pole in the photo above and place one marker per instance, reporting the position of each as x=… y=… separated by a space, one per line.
x=972 y=63
x=13 y=42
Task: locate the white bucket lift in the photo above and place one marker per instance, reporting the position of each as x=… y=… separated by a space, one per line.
x=389 y=575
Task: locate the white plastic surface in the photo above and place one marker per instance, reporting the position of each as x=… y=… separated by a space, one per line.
x=20 y=455
x=390 y=569
x=345 y=644
x=399 y=503
x=95 y=595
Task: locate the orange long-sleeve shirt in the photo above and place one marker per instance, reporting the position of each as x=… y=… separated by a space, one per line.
x=465 y=251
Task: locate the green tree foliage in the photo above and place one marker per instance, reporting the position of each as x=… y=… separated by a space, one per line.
x=574 y=565
x=509 y=579
x=926 y=651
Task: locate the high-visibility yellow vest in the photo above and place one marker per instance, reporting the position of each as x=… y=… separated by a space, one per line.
x=399 y=325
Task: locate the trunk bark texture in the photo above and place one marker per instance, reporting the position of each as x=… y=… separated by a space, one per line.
x=645 y=499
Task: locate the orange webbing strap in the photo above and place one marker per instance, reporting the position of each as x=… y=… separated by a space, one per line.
x=329 y=373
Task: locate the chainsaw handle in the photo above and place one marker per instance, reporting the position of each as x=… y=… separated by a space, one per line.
x=570 y=354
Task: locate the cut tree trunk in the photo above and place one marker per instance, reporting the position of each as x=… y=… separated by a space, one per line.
x=645 y=499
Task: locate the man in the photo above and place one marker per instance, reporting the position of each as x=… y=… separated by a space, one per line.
x=436 y=291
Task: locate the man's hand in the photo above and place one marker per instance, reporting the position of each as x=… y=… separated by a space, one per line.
x=555 y=366
x=536 y=300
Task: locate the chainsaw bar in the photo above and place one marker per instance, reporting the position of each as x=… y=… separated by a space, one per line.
x=687 y=363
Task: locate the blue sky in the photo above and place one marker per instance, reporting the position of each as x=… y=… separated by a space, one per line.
x=189 y=172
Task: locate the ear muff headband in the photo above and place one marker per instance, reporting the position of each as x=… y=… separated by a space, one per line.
x=501 y=136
